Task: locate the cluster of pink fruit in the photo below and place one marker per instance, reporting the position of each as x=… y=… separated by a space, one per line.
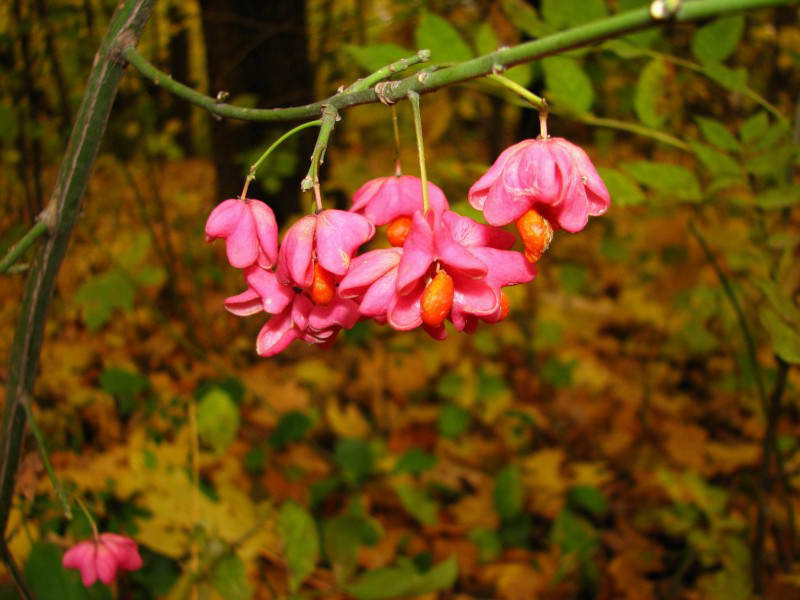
x=440 y=266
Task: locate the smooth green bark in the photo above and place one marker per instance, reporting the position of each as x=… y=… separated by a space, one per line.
x=60 y=215
x=424 y=82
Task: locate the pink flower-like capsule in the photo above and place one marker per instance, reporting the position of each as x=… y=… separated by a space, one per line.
x=392 y=283
x=392 y=200
x=102 y=557
x=249 y=230
x=327 y=239
x=551 y=176
x=303 y=320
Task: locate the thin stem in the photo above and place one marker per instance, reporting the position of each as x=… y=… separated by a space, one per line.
x=251 y=175
x=666 y=138
x=21 y=246
x=398 y=169
x=537 y=102
x=389 y=70
x=54 y=480
x=195 y=458
x=88 y=514
x=311 y=181
x=747 y=334
x=747 y=91
x=60 y=215
x=13 y=570
x=583 y=35
x=413 y=97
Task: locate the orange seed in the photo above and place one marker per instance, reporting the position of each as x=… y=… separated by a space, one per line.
x=437 y=299
x=536 y=233
x=323 y=287
x=397 y=231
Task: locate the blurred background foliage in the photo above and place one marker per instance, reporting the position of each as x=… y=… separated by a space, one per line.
x=631 y=431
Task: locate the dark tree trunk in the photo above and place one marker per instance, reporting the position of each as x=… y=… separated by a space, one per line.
x=257 y=48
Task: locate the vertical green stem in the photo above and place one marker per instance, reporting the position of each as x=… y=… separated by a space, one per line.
x=413 y=97
x=311 y=181
x=398 y=170
x=124 y=29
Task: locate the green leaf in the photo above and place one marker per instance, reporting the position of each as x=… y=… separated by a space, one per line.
x=100 y=296
x=648 y=99
x=404 y=581
x=673 y=180
x=450 y=385
x=217 y=419
x=291 y=428
x=342 y=536
x=588 y=498
x=415 y=461
x=417 y=503
x=453 y=420
x=488 y=543
x=300 y=542
x=525 y=17
x=490 y=386
x=734 y=80
x=754 y=127
x=355 y=459
x=568 y=13
x=785 y=338
x=123 y=385
x=229 y=578
x=442 y=39
x=716 y=41
x=717 y=134
x=573 y=277
x=623 y=190
x=578 y=540
x=485 y=39
x=509 y=493
x=376 y=56
x=568 y=84
x=558 y=373
x=779 y=198
x=625 y=49
x=716 y=162
x=780 y=301
x=48 y=579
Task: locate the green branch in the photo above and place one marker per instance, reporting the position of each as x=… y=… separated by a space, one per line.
x=22 y=246
x=329 y=117
x=124 y=28
x=424 y=82
x=389 y=70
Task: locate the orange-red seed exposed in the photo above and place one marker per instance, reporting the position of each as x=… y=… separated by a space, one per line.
x=536 y=233
x=323 y=288
x=397 y=231
x=437 y=299
x=505 y=306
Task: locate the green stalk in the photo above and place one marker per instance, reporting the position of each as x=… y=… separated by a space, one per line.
x=413 y=97
x=311 y=180
x=537 y=102
x=583 y=35
x=22 y=246
x=251 y=175
x=124 y=29
x=43 y=454
x=389 y=70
